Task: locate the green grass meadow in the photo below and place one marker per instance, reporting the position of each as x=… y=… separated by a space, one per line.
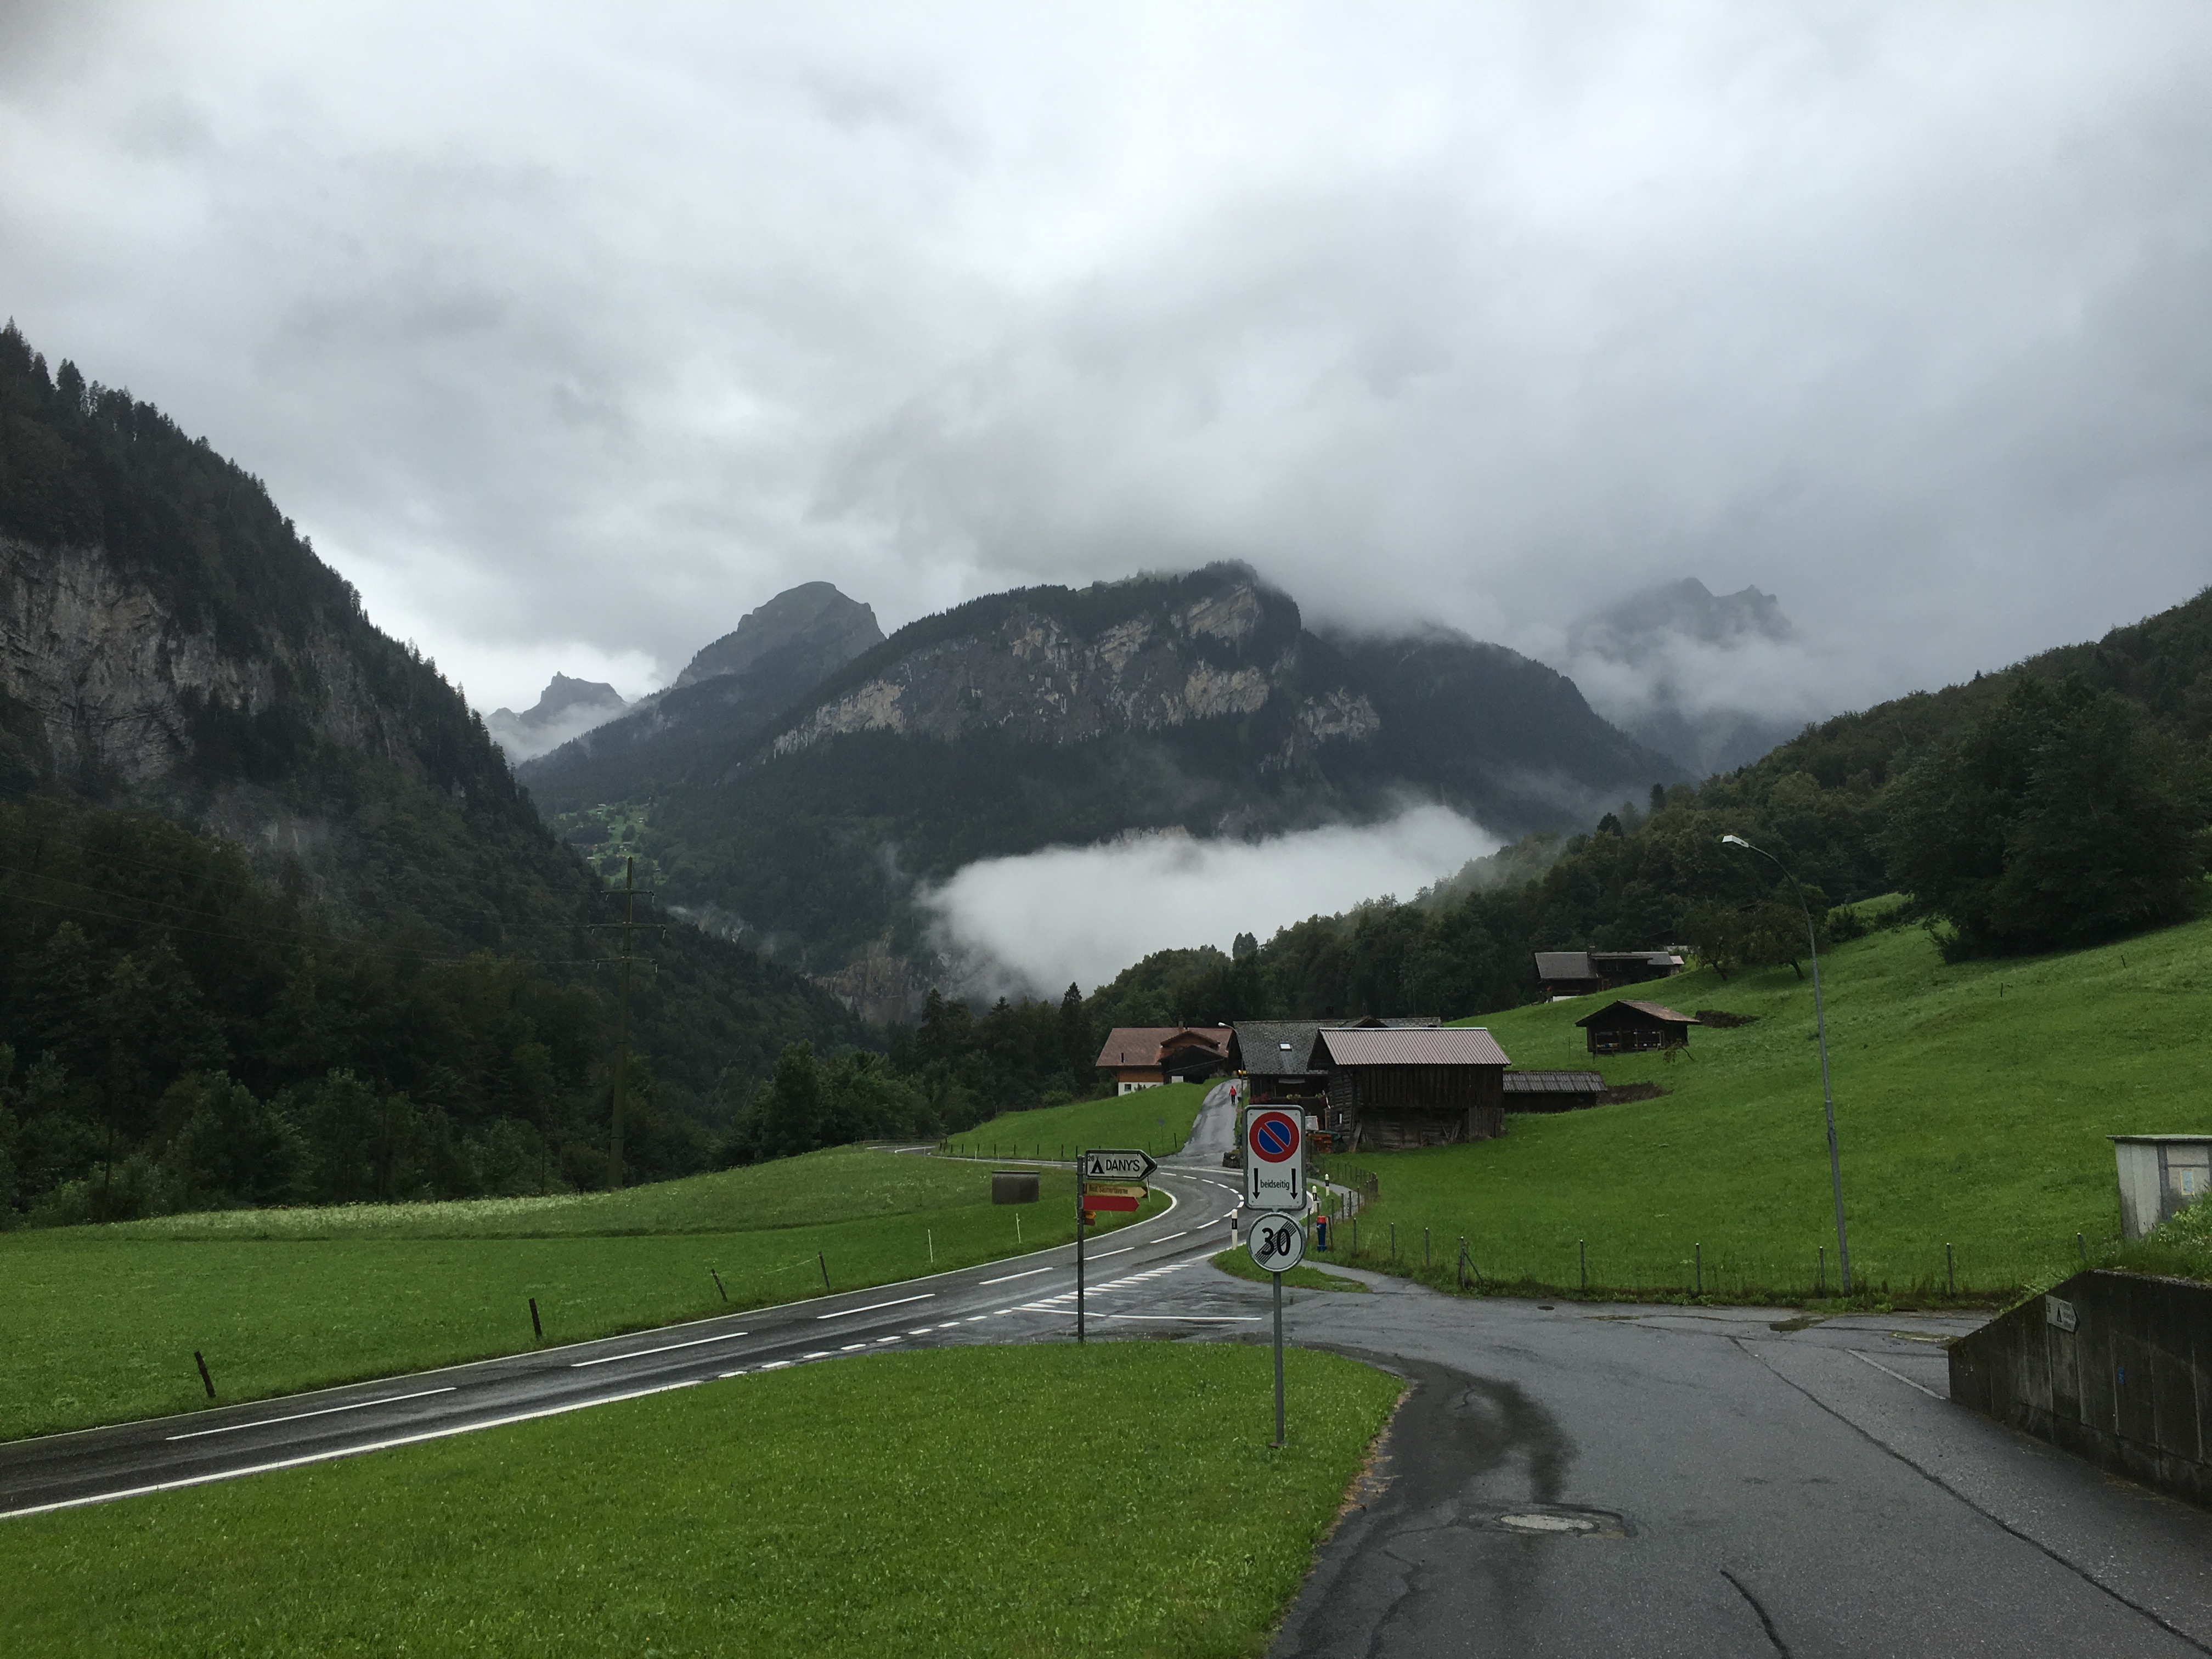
x=1156 y=1120
x=1973 y=1100
x=103 y=1321
x=1118 y=1498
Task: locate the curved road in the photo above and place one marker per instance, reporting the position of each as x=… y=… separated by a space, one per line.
x=1568 y=1480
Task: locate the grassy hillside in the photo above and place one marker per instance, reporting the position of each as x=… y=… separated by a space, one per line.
x=103 y=1321
x=1157 y=1119
x=1118 y=1498
x=1973 y=1100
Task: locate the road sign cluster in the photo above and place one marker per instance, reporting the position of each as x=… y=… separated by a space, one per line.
x=1114 y=1179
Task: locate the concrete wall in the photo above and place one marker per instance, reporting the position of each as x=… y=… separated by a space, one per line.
x=2116 y=1368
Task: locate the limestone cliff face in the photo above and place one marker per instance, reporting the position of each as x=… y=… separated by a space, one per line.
x=128 y=694
x=115 y=681
x=1040 y=675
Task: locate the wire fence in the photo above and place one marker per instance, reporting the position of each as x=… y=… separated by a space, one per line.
x=1363 y=1232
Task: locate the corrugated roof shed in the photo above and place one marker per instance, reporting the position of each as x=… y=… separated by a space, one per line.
x=1554 y=1083
x=1565 y=965
x=1458 y=1045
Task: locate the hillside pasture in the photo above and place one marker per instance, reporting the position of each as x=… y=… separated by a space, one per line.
x=1972 y=1103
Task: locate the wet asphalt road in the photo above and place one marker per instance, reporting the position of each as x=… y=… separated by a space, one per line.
x=1574 y=1479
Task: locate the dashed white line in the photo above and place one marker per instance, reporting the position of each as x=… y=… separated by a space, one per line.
x=357 y=1405
x=882 y=1339
x=851 y=1348
x=824 y=1354
x=1100 y=1255
x=639 y=1353
x=1164 y=1237
x=896 y=1302
x=1004 y=1278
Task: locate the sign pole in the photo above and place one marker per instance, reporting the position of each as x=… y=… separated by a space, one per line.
x=1078 y=1246
x=1278 y=1278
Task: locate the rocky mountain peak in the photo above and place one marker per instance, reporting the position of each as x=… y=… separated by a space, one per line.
x=813 y=619
x=566 y=708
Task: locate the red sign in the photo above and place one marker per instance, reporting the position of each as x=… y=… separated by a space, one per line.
x=1111 y=1200
x=1274 y=1136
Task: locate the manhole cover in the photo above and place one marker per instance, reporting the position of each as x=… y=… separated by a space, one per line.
x=1555 y=1523
x=1547 y=1523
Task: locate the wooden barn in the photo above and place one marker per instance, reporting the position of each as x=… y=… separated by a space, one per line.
x=1629 y=1027
x=1566 y=973
x=1276 y=1057
x=1553 y=1091
x=1420 y=1086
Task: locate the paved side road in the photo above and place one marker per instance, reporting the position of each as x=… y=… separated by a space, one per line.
x=1571 y=1480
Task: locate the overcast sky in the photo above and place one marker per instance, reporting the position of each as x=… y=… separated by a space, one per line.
x=571 y=334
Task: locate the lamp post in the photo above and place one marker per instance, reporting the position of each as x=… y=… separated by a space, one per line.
x=1821 y=1027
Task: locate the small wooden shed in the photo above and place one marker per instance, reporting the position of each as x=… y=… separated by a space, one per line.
x=1551 y=1091
x=1628 y=1028
x=1421 y=1087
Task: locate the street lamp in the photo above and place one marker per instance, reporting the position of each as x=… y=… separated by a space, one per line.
x=1821 y=1026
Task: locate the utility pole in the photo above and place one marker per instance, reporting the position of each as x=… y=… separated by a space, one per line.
x=629 y=927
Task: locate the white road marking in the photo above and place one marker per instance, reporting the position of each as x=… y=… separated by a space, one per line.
x=1100 y=1255
x=896 y=1302
x=924 y=1331
x=851 y=1348
x=975 y=1318
x=1900 y=1375
x=1163 y=1237
x=1003 y=1278
x=639 y=1353
x=357 y=1451
x=824 y=1354
x=358 y=1404
x=774 y=1365
x=890 y=1339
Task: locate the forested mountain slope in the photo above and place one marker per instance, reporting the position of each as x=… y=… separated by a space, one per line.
x=224 y=783
x=1052 y=715
x=2050 y=805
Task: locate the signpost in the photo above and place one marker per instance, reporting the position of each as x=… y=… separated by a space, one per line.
x=1278 y=1243
x=1274 y=1161
x=1111 y=1180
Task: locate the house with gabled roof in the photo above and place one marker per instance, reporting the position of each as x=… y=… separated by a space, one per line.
x=1146 y=1056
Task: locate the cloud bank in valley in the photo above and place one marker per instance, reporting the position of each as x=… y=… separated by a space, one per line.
x=1080 y=914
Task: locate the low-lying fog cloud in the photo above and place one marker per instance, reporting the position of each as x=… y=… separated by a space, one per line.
x=1081 y=914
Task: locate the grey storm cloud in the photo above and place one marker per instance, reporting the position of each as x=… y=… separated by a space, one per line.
x=571 y=334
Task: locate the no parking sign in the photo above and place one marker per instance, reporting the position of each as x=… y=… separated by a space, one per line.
x=1274 y=1161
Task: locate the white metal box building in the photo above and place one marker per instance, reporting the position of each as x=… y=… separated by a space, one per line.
x=2159 y=1176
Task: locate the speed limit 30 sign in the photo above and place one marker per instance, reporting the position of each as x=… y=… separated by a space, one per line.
x=1274 y=1160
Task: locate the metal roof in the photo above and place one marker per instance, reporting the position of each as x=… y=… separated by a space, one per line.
x=1457 y=1045
x=1565 y=965
x=1283 y=1047
x=1554 y=1083
x=1657 y=1011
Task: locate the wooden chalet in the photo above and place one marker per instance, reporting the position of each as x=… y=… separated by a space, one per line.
x=1584 y=973
x=1412 y=1086
x=1275 y=1057
x=1146 y=1056
x=1628 y=1028
x=1553 y=1091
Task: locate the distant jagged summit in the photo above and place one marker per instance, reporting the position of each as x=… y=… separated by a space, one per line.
x=565 y=708
x=1680 y=669
x=1639 y=625
x=775 y=656
x=810 y=621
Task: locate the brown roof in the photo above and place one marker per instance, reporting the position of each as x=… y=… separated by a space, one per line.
x=1456 y=1045
x=1657 y=1011
x=1141 y=1045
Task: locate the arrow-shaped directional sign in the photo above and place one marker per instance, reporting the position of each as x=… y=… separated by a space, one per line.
x=1118 y=1166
